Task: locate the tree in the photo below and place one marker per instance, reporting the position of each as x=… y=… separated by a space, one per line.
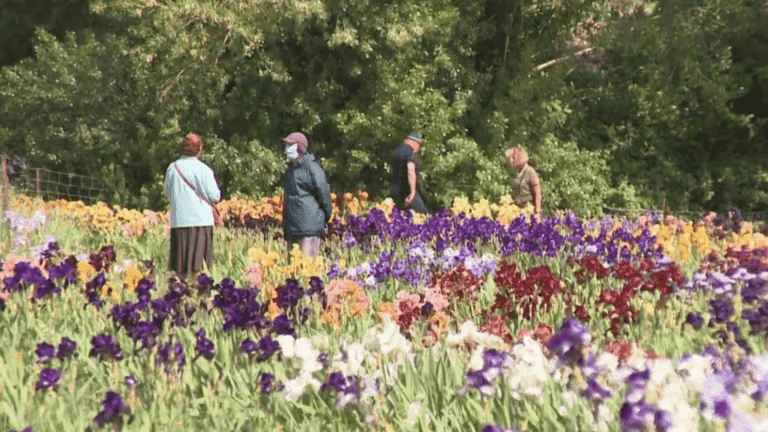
x=660 y=104
x=20 y=19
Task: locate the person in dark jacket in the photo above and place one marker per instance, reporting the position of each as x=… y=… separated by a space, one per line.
x=307 y=200
x=406 y=188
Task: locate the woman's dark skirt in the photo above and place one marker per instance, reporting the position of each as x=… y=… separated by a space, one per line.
x=190 y=247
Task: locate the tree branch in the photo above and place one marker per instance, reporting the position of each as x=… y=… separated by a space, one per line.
x=554 y=62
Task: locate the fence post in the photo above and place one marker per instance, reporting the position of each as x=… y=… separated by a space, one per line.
x=5 y=184
x=37 y=183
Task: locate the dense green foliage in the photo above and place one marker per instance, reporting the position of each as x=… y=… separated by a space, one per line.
x=669 y=105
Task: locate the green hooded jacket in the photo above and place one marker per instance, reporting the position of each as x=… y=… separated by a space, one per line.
x=307 y=199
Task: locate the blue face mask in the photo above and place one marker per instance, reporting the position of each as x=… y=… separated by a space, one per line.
x=292 y=151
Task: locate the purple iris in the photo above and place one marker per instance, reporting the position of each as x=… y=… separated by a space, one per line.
x=663 y=420
x=595 y=391
x=45 y=352
x=178 y=353
x=205 y=282
x=145 y=332
x=163 y=355
x=204 y=346
x=762 y=389
x=695 y=320
x=125 y=315
x=267 y=347
x=636 y=417
x=493 y=358
x=25 y=272
x=347 y=388
x=304 y=315
x=348 y=241
x=399 y=268
x=289 y=294
x=757 y=318
x=427 y=309
x=316 y=286
x=495 y=428
x=104 y=346
x=95 y=300
x=568 y=342
x=143 y=292
x=160 y=310
x=721 y=310
x=716 y=393
x=46 y=288
x=111 y=408
x=97 y=282
x=66 y=269
x=335 y=381
x=477 y=380
x=49 y=378
x=131 y=381
x=266 y=382
x=240 y=307
x=324 y=359
x=334 y=271
x=282 y=326
x=248 y=346
x=637 y=381
x=67 y=348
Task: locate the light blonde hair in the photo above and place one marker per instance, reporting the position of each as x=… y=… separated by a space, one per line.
x=510 y=152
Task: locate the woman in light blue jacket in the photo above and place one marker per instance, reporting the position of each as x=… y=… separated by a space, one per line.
x=192 y=189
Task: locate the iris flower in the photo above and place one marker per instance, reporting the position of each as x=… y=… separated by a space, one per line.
x=45 y=352
x=67 y=348
x=49 y=378
x=111 y=408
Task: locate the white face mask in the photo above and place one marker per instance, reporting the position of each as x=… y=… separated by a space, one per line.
x=292 y=151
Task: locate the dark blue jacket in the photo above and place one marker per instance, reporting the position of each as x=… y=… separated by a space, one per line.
x=308 y=205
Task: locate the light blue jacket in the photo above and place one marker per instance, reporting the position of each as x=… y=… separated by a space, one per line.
x=187 y=209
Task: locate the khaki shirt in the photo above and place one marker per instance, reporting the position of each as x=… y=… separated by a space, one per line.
x=522 y=186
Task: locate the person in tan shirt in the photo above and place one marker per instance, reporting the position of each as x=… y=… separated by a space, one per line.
x=525 y=186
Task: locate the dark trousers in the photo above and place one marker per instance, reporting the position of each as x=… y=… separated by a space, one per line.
x=418 y=205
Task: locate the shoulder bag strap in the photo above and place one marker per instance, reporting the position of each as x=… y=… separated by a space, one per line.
x=190 y=185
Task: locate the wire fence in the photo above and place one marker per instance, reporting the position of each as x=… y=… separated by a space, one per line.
x=47 y=184
x=16 y=175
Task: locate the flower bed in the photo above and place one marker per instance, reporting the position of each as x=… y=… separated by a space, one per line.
x=474 y=319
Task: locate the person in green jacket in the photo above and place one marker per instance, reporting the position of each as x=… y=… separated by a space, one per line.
x=307 y=204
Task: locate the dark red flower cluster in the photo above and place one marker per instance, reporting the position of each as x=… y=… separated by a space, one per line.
x=524 y=294
x=644 y=277
x=581 y=313
x=103 y=258
x=753 y=260
x=410 y=310
x=589 y=265
x=456 y=284
x=541 y=334
x=660 y=279
x=496 y=325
